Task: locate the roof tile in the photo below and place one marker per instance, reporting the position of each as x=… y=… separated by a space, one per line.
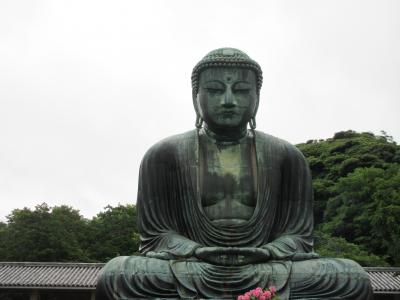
x=48 y=275
x=384 y=279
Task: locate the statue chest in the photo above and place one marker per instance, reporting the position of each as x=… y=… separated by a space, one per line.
x=228 y=180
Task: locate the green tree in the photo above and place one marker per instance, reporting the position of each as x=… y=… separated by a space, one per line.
x=44 y=234
x=366 y=211
x=113 y=232
x=3 y=230
x=329 y=246
x=356 y=190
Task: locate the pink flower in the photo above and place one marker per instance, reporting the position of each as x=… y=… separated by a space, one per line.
x=272 y=289
x=267 y=295
x=259 y=294
x=256 y=292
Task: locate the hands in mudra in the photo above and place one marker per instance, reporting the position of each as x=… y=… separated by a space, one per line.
x=225 y=256
x=232 y=256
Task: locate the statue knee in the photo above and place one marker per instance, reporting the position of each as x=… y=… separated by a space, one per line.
x=328 y=266
x=344 y=277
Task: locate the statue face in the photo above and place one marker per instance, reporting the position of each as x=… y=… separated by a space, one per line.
x=227 y=97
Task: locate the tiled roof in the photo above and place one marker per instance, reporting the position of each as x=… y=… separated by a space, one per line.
x=84 y=276
x=49 y=275
x=385 y=280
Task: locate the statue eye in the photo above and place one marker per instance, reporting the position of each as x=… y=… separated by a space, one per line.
x=214 y=90
x=241 y=90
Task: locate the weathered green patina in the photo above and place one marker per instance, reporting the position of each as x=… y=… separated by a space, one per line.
x=223 y=209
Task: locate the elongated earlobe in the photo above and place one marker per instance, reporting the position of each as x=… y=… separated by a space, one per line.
x=199 y=122
x=252 y=123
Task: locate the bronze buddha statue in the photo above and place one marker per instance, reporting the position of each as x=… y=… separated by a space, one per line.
x=223 y=209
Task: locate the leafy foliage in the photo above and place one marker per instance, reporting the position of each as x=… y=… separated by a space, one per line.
x=356 y=180
x=113 y=233
x=44 y=234
x=328 y=246
x=62 y=234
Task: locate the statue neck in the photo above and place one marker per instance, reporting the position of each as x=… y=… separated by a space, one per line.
x=231 y=136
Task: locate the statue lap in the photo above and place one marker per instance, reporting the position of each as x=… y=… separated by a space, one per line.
x=135 y=277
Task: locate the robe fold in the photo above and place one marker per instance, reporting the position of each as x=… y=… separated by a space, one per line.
x=171 y=217
x=172 y=223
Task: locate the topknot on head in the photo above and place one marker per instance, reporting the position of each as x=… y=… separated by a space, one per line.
x=225 y=57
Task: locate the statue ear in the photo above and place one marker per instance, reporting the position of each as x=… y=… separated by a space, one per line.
x=252 y=122
x=256 y=106
x=196 y=105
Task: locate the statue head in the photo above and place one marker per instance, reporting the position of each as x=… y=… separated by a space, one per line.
x=226 y=85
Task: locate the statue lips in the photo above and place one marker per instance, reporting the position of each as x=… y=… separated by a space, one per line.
x=227 y=113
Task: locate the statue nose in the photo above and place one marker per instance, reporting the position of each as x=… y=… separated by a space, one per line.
x=228 y=100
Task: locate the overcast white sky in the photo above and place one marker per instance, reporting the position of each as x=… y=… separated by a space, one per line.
x=87 y=86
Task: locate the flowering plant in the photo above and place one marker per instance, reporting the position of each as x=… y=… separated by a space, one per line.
x=260 y=294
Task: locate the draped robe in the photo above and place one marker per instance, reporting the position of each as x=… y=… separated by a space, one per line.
x=172 y=222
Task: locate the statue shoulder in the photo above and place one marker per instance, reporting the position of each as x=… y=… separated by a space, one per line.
x=278 y=145
x=168 y=148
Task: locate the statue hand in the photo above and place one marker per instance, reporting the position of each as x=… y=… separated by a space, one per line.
x=232 y=256
x=305 y=256
x=160 y=255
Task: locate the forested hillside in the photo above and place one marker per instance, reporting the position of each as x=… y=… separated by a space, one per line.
x=356 y=179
